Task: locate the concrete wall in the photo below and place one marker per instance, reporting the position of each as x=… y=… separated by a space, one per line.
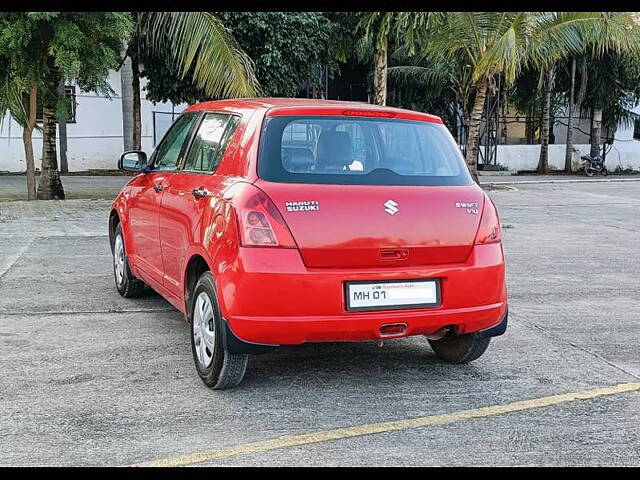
x=625 y=154
x=95 y=140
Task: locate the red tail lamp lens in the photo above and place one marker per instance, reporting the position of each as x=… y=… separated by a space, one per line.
x=260 y=222
x=489 y=229
x=257 y=219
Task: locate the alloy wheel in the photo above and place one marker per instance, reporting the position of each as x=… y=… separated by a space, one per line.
x=118 y=259
x=204 y=329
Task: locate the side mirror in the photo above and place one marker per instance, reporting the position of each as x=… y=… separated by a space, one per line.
x=133 y=161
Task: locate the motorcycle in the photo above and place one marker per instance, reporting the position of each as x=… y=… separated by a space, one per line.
x=593 y=165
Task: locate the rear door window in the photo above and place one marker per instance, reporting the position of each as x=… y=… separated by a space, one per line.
x=369 y=151
x=210 y=142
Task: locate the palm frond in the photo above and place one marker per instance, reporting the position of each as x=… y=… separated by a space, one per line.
x=12 y=99
x=560 y=34
x=507 y=51
x=433 y=79
x=376 y=26
x=410 y=28
x=199 y=44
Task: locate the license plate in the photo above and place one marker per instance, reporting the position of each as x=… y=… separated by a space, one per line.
x=392 y=295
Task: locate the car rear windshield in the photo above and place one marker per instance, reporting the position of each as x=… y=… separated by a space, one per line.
x=359 y=151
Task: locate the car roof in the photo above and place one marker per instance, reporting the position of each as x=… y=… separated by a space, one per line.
x=308 y=106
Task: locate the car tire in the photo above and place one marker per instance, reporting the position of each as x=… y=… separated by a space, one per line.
x=128 y=286
x=460 y=348
x=218 y=369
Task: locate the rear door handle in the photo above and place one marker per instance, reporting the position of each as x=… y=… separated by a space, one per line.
x=200 y=192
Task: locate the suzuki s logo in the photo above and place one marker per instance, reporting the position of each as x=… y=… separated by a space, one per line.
x=391 y=207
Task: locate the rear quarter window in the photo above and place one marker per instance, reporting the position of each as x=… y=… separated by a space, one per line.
x=366 y=151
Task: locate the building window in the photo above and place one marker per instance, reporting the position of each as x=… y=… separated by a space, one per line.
x=70 y=93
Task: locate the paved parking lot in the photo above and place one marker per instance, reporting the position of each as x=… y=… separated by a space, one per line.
x=90 y=378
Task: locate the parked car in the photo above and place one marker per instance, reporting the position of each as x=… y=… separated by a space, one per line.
x=280 y=221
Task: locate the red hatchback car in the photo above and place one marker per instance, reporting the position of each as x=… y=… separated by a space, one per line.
x=280 y=221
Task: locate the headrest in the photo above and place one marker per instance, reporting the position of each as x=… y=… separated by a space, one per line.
x=335 y=149
x=297 y=159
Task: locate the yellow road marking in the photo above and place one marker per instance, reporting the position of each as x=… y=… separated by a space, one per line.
x=373 y=428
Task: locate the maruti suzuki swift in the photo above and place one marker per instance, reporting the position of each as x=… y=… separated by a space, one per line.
x=278 y=221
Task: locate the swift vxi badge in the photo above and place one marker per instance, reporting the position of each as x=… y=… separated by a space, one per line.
x=472 y=207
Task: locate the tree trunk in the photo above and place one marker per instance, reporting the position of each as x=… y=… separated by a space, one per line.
x=504 y=132
x=543 y=163
x=568 y=155
x=596 y=131
x=27 y=133
x=462 y=121
x=137 y=126
x=464 y=130
x=473 y=135
x=584 y=77
x=126 y=85
x=49 y=183
x=62 y=132
x=380 y=75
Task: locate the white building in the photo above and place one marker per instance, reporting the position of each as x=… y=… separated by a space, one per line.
x=94 y=140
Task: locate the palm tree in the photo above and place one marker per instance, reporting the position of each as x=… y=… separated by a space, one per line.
x=381 y=27
x=572 y=94
x=549 y=79
x=563 y=34
x=613 y=90
x=491 y=44
x=19 y=97
x=377 y=27
x=49 y=183
x=445 y=81
x=501 y=44
x=198 y=45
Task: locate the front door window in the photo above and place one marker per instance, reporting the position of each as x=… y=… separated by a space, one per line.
x=171 y=147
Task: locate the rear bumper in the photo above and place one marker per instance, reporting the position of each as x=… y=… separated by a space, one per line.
x=269 y=297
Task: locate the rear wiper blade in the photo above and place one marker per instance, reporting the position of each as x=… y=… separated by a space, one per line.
x=382 y=170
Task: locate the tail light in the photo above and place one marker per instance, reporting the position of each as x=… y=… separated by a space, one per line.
x=489 y=229
x=259 y=221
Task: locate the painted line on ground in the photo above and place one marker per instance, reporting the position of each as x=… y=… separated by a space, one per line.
x=6 y=265
x=383 y=427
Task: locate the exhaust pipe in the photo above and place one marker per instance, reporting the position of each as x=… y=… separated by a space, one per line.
x=441 y=333
x=393 y=329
